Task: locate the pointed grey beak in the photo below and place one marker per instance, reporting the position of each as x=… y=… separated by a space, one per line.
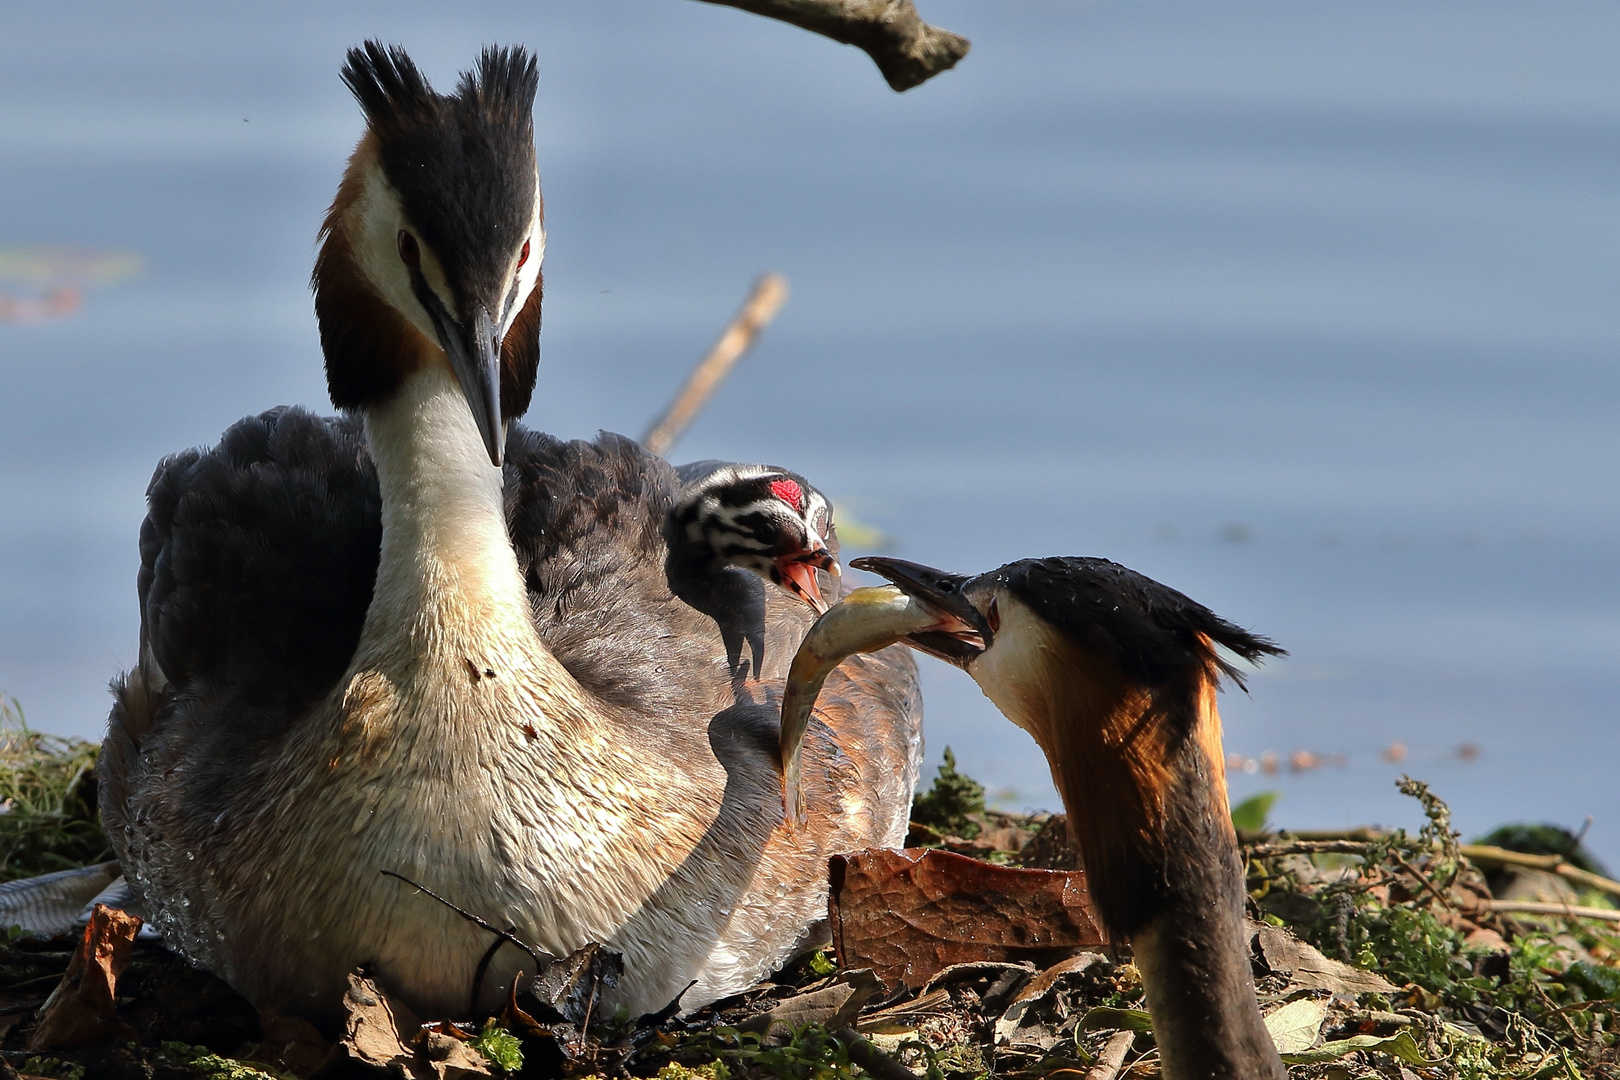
x=475 y=356
x=963 y=633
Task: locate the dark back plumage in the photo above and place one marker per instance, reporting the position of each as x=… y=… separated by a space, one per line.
x=258 y=558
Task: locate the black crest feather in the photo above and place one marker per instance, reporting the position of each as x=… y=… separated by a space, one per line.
x=1149 y=629
x=463 y=167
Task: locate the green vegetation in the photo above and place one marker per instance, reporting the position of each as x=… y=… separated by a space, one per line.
x=48 y=818
x=949 y=805
x=1252 y=814
x=810 y=1053
x=501 y=1047
x=1483 y=994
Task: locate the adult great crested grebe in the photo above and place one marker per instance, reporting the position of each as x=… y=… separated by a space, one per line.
x=1115 y=676
x=363 y=648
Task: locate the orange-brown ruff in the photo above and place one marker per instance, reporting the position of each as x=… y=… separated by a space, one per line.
x=422 y=639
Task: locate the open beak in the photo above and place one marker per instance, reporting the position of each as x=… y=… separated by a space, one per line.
x=961 y=633
x=798 y=572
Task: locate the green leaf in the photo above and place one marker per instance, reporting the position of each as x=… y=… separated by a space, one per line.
x=1250 y=814
x=1105 y=1018
x=1400 y=1046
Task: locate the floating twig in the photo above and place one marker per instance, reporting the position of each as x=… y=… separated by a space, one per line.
x=770 y=291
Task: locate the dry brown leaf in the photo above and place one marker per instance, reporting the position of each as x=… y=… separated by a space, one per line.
x=290 y=1044
x=81 y=1010
x=1037 y=989
x=910 y=914
x=1308 y=969
x=376 y=1033
x=832 y=1007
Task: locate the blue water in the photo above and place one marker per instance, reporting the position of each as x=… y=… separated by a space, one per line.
x=1307 y=310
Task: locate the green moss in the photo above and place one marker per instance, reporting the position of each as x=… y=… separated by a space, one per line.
x=501 y=1047
x=714 y=1070
x=54 y=1067
x=205 y=1063
x=948 y=805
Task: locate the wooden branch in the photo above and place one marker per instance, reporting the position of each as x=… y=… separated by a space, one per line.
x=1553 y=864
x=1112 y=1058
x=1306 y=847
x=906 y=50
x=1538 y=907
x=756 y=314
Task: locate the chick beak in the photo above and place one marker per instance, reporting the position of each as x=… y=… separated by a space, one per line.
x=798 y=573
x=475 y=357
x=962 y=632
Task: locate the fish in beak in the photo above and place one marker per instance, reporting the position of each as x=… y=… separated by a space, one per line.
x=924 y=608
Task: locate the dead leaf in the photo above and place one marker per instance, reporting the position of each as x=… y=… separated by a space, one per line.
x=570 y=985
x=81 y=1010
x=911 y=914
x=832 y=1007
x=1037 y=990
x=1308 y=969
x=378 y=1032
x=1107 y=1018
x=450 y=1058
x=290 y=1044
x=1294 y=1027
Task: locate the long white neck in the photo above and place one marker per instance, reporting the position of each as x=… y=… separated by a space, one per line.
x=444 y=529
x=448 y=581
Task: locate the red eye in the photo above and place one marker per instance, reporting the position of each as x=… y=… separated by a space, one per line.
x=523 y=256
x=409 y=252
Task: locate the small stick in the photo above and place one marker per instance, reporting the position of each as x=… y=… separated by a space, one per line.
x=483 y=969
x=1363 y=833
x=1553 y=864
x=472 y=918
x=1112 y=1058
x=1307 y=847
x=1539 y=907
x=1423 y=879
x=873 y=1061
x=757 y=312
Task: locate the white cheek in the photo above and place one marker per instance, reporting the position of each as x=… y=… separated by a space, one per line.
x=1011 y=672
x=529 y=272
x=377 y=248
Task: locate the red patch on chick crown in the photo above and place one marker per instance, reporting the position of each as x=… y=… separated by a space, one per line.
x=789 y=492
